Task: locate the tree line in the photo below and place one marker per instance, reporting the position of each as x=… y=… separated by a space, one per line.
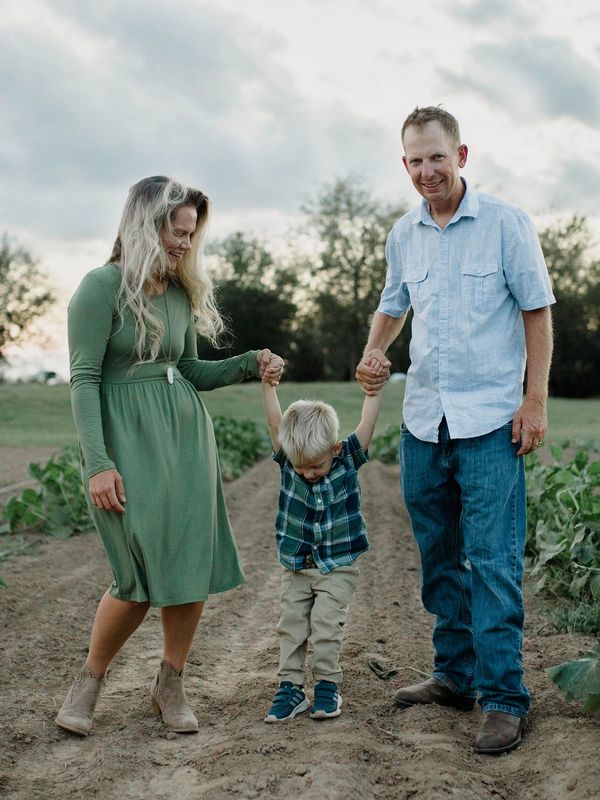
x=313 y=302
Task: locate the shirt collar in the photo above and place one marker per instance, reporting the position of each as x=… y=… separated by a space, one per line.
x=469 y=207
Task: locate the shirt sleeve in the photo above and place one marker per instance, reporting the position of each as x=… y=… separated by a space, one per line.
x=395 y=300
x=90 y=320
x=354 y=452
x=524 y=266
x=207 y=375
x=279 y=457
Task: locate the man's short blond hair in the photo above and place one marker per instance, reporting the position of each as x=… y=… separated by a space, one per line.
x=421 y=116
x=308 y=429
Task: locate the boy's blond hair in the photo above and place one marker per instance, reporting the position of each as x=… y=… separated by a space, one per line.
x=307 y=430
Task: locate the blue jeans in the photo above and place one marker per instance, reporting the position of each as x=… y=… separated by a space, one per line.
x=466 y=501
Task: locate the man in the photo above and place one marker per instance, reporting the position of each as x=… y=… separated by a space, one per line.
x=472 y=269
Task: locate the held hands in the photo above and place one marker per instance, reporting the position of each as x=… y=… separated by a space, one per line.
x=530 y=425
x=106 y=490
x=373 y=371
x=270 y=367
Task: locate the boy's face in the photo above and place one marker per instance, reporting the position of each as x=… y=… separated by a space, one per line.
x=314 y=470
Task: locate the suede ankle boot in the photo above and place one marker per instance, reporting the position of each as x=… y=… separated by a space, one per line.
x=168 y=698
x=77 y=712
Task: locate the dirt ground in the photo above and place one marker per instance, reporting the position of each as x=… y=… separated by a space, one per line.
x=368 y=752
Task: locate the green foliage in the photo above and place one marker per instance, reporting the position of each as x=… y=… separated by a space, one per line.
x=384 y=446
x=24 y=295
x=563 y=541
x=58 y=507
x=348 y=269
x=583 y=617
x=580 y=679
x=563 y=528
x=241 y=444
x=575 y=276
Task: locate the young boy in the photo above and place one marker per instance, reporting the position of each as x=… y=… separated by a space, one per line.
x=320 y=531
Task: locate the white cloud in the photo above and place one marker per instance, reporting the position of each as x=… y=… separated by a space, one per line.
x=533 y=75
x=260 y=103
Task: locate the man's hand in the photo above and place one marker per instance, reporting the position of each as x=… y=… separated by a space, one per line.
x=373 y=371
x=530 y=425
x=270 y=366
x=106 y=490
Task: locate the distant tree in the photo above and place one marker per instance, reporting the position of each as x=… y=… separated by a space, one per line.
x=351 y=228
x=254 y=295
x=575 y=278
x=24 y=293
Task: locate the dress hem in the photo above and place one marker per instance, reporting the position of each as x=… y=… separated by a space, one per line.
x=176 y=601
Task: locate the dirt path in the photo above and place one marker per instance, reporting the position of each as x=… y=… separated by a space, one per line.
x=368 y=752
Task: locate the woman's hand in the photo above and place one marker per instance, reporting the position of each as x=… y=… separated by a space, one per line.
x=270 y=366
x=106 y=490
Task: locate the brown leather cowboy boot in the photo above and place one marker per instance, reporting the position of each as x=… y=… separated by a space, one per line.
x=168 y=698
x=77 y=712
x=432 y=691
x=499 y=733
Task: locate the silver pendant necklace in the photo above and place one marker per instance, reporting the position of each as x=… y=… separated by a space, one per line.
x=170 y=376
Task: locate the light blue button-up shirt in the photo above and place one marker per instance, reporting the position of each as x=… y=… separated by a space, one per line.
x=467 y=285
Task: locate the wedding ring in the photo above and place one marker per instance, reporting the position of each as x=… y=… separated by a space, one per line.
x=540 y=442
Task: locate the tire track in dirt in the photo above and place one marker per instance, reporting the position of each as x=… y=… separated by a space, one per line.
x=368 y=752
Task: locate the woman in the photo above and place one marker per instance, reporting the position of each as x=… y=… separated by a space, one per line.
x=147 y=444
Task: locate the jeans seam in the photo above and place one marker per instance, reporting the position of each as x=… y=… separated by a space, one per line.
x=463 y=592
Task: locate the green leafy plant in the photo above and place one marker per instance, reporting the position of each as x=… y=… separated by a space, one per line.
x=580 y=679
x=563 y=537
x=241 y=443
x=563 y=543
x=384 y=447
x=58 y=506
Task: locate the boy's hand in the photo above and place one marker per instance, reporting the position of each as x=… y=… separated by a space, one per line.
x=270 y=366
x=373 y=371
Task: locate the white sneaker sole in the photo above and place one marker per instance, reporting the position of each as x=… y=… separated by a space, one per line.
x=303 y=706
x=328 y=714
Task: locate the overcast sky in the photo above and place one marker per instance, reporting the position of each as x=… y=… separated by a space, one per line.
x=259 y=102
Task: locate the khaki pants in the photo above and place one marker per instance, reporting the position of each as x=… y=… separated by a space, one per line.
x=314 y=608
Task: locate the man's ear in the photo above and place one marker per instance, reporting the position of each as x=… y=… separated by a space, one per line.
x=463 y=152
x=405 y=162
x=337 y=448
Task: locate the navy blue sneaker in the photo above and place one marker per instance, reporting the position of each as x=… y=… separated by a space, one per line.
x=327 y=702
x=289 y=700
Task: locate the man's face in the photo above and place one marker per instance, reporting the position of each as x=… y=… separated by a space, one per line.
x=433 y=162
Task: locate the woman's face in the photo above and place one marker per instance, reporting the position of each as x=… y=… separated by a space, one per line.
x=176 y=244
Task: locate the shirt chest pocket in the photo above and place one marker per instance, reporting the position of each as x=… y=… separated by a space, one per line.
x=417 y=285
x=478 y=280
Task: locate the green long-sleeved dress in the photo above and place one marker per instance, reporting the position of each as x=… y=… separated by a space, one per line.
x=174 y=543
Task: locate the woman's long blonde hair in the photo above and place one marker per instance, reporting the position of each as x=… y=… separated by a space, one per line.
x=149 y=210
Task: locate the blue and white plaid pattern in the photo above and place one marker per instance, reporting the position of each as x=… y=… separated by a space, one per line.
x=467 y=285
x=322 y=519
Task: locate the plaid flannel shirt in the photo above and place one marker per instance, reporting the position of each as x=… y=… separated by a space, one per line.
x=322 y=519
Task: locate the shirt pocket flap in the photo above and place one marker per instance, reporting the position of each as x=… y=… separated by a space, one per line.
x=416 y=273
x=479 y=269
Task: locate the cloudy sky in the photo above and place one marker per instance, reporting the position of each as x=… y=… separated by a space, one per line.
x=260 y=102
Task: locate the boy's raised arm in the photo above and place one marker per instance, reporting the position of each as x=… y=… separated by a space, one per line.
x=272 y=412
x=366 y=426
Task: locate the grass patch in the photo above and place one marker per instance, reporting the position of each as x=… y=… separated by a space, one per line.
x=31 y=414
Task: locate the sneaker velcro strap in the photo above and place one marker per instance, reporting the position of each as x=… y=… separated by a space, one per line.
x=326 y=691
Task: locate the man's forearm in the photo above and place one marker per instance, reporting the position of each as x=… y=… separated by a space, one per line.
x=538 y=342
x=384 y=331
